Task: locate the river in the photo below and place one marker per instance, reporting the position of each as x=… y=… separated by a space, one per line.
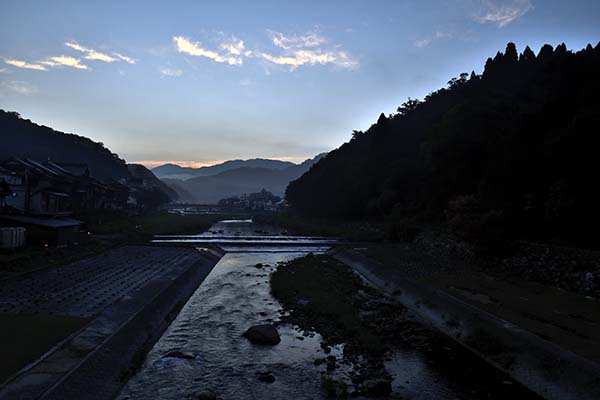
x=214 y=356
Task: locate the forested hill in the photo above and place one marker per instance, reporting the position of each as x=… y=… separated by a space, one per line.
x=22 y=138
x=520 y=141
x=172 y=171
x=237 y=181
x=151 y=182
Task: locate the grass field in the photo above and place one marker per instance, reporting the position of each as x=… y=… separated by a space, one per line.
x=140 y=227
x=369 y=231
x=107 y=229
x=24 y=338
x=329 y=302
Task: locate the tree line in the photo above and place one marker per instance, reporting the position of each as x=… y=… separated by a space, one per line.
x=514 y=147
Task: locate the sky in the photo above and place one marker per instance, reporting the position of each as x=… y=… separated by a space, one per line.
x=199 y=82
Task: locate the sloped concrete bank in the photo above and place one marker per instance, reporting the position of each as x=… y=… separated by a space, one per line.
x=543 y=367
x=96 y=363
x=103 y=373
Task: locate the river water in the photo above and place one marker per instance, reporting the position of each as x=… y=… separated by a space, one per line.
x=214 y=356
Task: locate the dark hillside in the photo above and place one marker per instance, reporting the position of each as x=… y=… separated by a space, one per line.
x=23 y=138
x=141 y=174
x=516 y=145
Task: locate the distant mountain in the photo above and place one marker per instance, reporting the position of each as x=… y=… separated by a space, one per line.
x=234 y=182
x=173 y=171
x=22 y=138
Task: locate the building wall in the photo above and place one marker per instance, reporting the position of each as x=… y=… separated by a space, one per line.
x=17 y=201
x=11 y=179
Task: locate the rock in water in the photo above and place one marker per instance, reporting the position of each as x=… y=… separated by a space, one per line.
x=266 y=377
x=179 y=354
x=263 y=334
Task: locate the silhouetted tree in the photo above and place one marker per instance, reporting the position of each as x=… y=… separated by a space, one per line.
x=527 y=55
x=408 y=106
x=511 y=56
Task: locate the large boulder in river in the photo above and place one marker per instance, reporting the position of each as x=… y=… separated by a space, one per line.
x=263 y=334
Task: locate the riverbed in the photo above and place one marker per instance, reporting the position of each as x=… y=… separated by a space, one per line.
x=204 y=351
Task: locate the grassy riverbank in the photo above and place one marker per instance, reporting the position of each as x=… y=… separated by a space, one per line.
x=106 y=230
x=331 y=302
x=144 y=226
x=321 y=294
x=369 y=231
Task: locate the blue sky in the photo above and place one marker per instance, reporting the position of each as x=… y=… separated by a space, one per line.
x=198 y=82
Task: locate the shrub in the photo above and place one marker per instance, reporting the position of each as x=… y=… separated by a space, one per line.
x=485 y=229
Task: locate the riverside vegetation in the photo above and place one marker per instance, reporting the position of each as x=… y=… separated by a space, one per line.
x=370 y=326
x=107 y=229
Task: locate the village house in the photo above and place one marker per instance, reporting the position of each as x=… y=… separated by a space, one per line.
x=42 y=197
x=7 y=179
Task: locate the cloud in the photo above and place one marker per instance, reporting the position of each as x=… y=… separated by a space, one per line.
x=310 y=39
x=428 y=40
x=128 y=60
x=186 y=46
x=19 y=87
x=235 y=47
x=26 y=65
x=91 y=54
x=68 y=61
x=65 y=61
x=296 y=50
x=501 y=12
x=423 y=42
x=307 y=50
x=169 y=72
x=245 y=82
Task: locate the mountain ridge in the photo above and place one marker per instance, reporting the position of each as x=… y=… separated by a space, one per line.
x=174 y=171
x=234 y=182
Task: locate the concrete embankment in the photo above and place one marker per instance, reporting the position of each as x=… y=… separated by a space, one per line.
x=547 y=369
x=97 y=361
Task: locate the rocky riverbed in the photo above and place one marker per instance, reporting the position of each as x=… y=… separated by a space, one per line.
x=375 y=334
x=327 y=335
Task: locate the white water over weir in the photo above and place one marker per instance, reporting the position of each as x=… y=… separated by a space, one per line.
x=248 y=237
